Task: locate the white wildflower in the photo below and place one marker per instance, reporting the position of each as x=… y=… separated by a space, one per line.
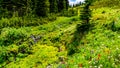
x=95 y=66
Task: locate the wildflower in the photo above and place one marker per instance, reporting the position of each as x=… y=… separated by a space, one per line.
x=119 y=55
x=116 y=60
x=80 y=65
x=89 y=62
x=98 y=56
x=72 y=61
x=49 y=66
x=91 y=67
x=92 y=51
x=107 y=50
x=100 y=65
x=118 y=36
x=117 y=48
x=94 y=62
x=95 y=66
x=113 y=64
x=109 y=56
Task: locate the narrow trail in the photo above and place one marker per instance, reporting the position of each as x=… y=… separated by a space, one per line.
x=61 y=30
x=70 y=28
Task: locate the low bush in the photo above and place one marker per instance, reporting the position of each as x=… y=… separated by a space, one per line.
x=10 y=35
x=42 y=56
x=25 y=21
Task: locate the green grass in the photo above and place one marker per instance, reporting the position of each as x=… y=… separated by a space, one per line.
x=19 y=42
x=99 y=48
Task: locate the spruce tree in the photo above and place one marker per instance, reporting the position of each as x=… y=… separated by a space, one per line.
x=67 y=4
x=0 y=8
x=42 y=7
x=21 y=6
x=53 y=6
x=85 y=17
x=82 y=29
x=86 y=12
x=61 y=5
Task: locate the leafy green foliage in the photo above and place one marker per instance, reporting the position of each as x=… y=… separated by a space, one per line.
x=43 y=55
x=23 y=7
x=35 y=42
x=106 y=3
x=42 y=7
x=62 y=5
x=23 y=44
x=8 y=35
x=53 y=6
x=71 y=12
x=86 y=12
x=25 y=21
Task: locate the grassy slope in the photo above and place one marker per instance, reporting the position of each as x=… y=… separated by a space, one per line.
x=49 y=33
x=99 y=48
x=106 y=3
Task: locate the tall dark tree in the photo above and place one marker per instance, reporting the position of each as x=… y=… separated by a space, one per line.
x=53 y=6
x=78 y=4
x=61 y=5
x=0 y=5
x=21 y=6
x=86 y=12
x=67 y=4
x=82 y=29
x=42 y=7
x=85 y=17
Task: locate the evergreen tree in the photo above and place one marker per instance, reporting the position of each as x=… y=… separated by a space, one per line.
x=80 y=3
x=53 y=6
x=21 y=6
x=85 y=17
x=61 y=5
x=0 y=5
x=86 y=12
x=42 y=7
x=67 y=4
x=0 y=8
x=82 y=29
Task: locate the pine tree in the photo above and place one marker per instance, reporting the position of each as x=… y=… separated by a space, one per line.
x=0 y=8
x=85 y=17
x=21 y=6
x=86 y=12
x=82 y=29
x=53 y=6
x=42 y=7
x=67 y=4
x=61 y=5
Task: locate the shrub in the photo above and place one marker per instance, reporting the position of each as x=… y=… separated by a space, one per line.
x=69 y=13
x=25 y=21
x=43 y=55
x=10 y=35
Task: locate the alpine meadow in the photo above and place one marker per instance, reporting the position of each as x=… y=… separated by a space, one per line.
x=59 y=33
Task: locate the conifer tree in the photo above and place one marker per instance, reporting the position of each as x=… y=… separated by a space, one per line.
x=86 y=12
x=82 y=29
x=85 y=17
x=61 y=5
x=0 y=8
x=53 y=6
x=42 y=7
x=67 y=4
x=21 y=6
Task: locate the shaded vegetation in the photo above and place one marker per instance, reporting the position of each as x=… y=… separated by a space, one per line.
x=84 y=36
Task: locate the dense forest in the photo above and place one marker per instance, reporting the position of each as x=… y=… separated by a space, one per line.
x=57 y=34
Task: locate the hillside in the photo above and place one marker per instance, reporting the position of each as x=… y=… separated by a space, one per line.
x=106 y=3
x=55 y=42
